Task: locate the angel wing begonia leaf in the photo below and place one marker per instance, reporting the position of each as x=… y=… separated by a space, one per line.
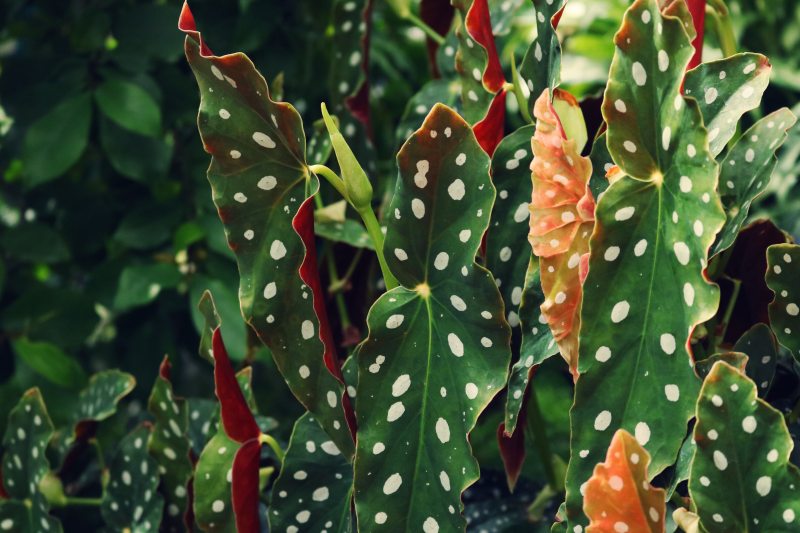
x=561 y=221
x=536 y=346
x=541 y=65
x=741 y=477
x=25 y=464
x=315 y=487
x=262 y=188
x=439 y=336
x=131 y=501
x=619 y=496
x=434 y=92
x=725 y=90
x=169 y=444
x=507 y=252
x=783 y=278
x=746 y=170
x=211 y=485
x=654 y=226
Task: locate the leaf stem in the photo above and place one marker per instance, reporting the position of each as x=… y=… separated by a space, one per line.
x=83 y=502
x=723 y=28
x=367 y=215
x=375 y=233
x=272 y=443
x=419 y=23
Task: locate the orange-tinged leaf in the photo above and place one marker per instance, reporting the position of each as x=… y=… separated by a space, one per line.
x=562 y=218
x=618 y=497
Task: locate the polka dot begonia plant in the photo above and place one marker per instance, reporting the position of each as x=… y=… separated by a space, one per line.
x=496 y=218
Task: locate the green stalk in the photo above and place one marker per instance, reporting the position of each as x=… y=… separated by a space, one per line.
x=272 y=443
x=522 y=102
x=723 y=28
x=419 y=23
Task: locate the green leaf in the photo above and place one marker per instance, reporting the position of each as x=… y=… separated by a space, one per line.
x=130 y=106
x=147 y=226
x=141 y=284
x=315 y=487
x=262 y=189
x=746 y=171
x=212 y=321
x=760 y=344
x=169 y=444
x=507 y=251
x=537 y=344
x=212 y=484
x=601 y=164
x=725 y=90
x=133 y=155
x=442 y=91
x=34 y=242
x=439 y=335
x=131 y=500
x=25 y=441
x=347 y=231
x=741 y=478
x=541 y=67
x=203 y=419
x=648 y=253
x=56 y=141
x=50 y=362
x=225 y=313
x=783 y=271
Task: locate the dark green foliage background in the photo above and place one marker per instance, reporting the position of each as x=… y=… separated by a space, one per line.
x=108 y=235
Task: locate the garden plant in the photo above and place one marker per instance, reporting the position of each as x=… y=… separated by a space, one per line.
x=533 y=303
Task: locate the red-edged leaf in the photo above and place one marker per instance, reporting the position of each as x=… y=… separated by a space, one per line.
x=244 y=487
x=698 y=10
x=490 y=129
x=562 y=218
x=238 y=421
x=618 y=496
x=263 y=190
x=479 y=26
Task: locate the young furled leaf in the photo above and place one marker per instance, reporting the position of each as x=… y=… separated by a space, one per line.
x=208 y=309
x=315 y=487
x=537 y=344
x=654 y=226
x=618 y=496
x=541 y=67
x=562 y=218
x=741 y=478
x=507 y=255
x=169 y=444
x=746 y=170
x=760 y=344
x=132 y=502
x=783 y=273
x=438 y=346
x=725 y=90
x=262 y=189
x=28 y=432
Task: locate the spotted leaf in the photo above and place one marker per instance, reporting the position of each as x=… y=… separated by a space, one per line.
x=507 y=253
x=169 y=444
x=741 y=478
x=212 y=320
x=725 y=90
x=646 y=279
x=783 y=273
x=261 y=188
x=760 y=344
x=746 y=170
x=601 y=165
x=434 y=92
x=537 y=344
x=97 y=402
x=132 y=501
x=619 y=496
x=561 y=221
x=438 y=347
x=315 y=487
x=540 y=68
x=27 y=435
x=477 y=63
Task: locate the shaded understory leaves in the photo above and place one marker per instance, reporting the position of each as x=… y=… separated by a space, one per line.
x=437 y=350
x=648 y=251
x=741 y=478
